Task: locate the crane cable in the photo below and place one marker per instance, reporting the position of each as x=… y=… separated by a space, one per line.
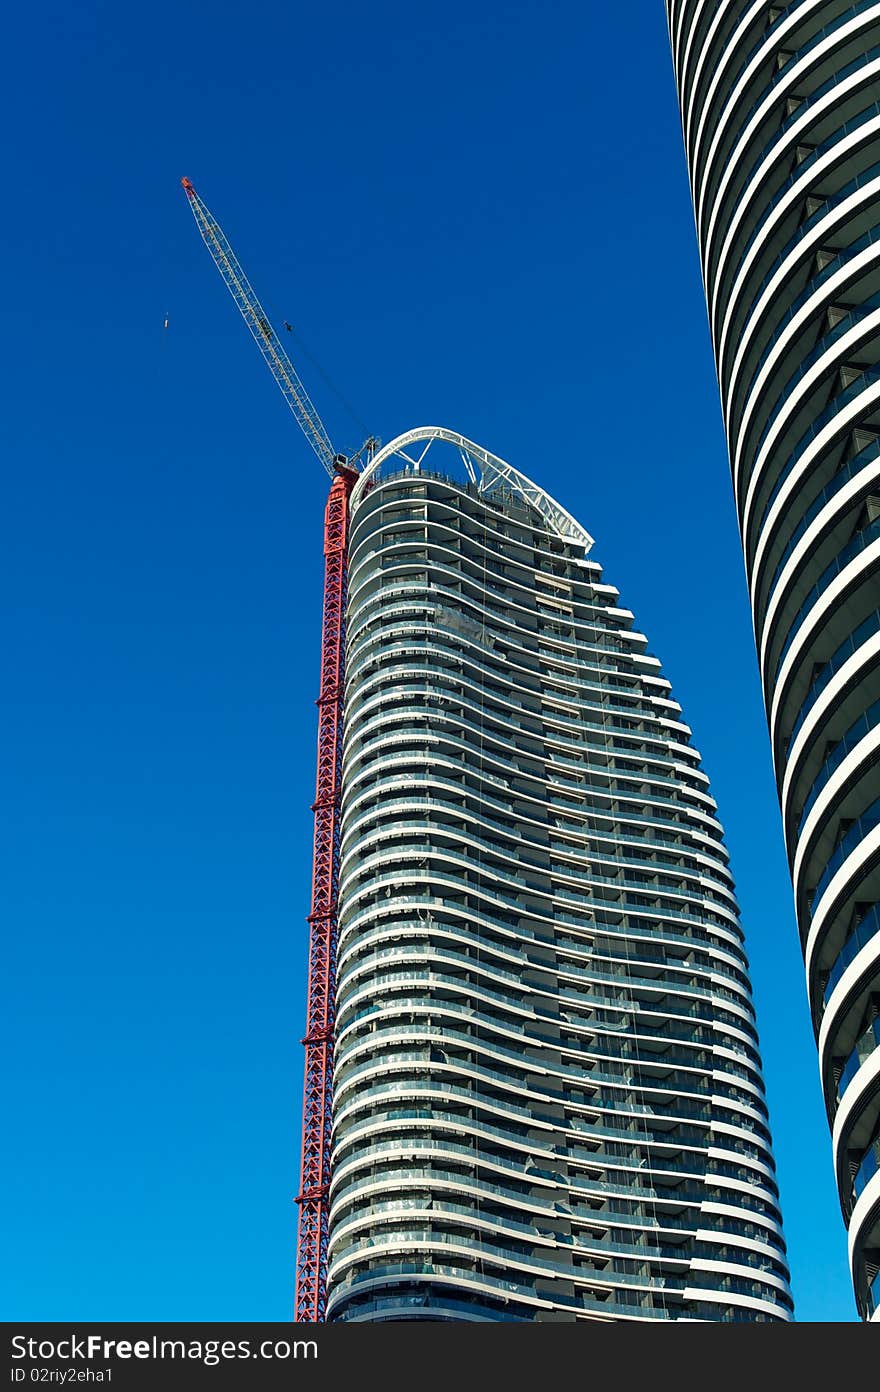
x=343 y=400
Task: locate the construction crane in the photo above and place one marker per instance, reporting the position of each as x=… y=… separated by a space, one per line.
x=311 y=1259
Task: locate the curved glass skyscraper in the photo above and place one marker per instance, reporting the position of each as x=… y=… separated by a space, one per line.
x=547 y=1098
x=781 y=120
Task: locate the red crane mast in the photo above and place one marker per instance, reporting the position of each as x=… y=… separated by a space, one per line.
x=314 y=1197
x=314 y=1201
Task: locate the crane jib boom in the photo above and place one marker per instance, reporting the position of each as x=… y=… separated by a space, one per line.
x=266 y=339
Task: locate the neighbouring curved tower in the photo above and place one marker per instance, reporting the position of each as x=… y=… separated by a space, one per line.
x=548 y=1100
x=781 y=120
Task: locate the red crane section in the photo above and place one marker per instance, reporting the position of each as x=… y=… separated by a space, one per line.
x=311 y=1260
x=314 y=1198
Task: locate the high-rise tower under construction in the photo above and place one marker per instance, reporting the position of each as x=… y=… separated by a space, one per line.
x=547 y=1096
x=547 y=1099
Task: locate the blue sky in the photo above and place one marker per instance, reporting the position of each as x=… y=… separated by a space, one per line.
x=476 y=216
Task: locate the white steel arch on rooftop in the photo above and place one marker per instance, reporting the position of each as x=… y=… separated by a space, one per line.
x=484 y=469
